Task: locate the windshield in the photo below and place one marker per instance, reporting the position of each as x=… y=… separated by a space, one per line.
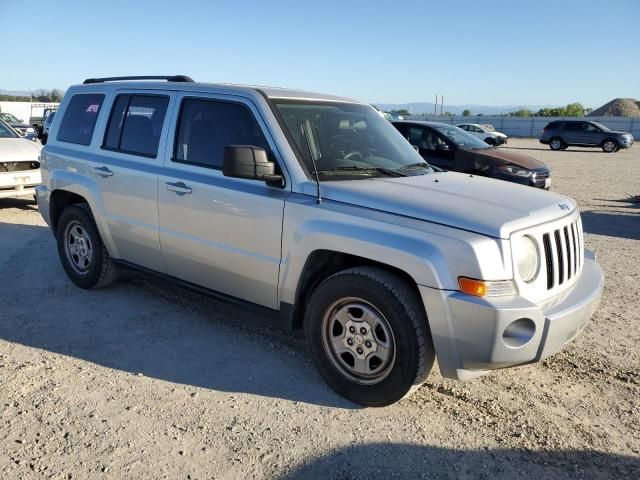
x=460 y=137
x=49 y=119
x=6 y=131
x=601 y=127
x=346 y=138
x=7 y=117
x=488 y=128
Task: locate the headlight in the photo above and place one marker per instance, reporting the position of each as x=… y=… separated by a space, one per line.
x=514 y=170
x=526 y=258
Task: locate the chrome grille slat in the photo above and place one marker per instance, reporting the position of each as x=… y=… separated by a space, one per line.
x=575 y=248
x=548 y=260
x=568 y=250
x=560 y=257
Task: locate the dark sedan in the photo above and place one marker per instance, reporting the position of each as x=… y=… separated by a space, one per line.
x=451 y=148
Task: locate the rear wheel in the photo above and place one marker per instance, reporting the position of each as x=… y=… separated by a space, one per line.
x=556 y=143
x=83 y=255
x=368 y=336
x=609 y=146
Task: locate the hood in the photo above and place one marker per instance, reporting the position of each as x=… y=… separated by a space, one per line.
x=18 y=150
x=483 y=205
x=499 y=156
x=19 y=125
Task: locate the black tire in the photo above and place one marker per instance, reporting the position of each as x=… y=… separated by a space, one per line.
x=100 y=270
x=398 y=303
x=556 y=143
x=610 y=145
x=490 y=141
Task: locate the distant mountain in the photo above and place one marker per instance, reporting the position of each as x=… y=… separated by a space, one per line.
x=15 y=93
x=418 y=108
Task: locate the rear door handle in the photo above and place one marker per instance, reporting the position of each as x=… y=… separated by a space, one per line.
x=178 y=187
x=103 y=171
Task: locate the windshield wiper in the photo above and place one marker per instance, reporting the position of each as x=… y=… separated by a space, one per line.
x=355 y=168
x=413 y=165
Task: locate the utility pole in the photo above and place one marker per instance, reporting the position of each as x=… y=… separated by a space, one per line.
x=441 y=104
x=435 y=107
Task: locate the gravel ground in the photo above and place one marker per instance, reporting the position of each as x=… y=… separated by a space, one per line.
x=147 y=380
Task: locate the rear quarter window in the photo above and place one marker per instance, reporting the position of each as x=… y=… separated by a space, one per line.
x=80 y=118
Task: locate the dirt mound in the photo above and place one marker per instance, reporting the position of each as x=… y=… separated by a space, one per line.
x=619 y=107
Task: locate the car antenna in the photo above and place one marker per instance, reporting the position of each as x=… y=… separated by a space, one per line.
x=313 y=161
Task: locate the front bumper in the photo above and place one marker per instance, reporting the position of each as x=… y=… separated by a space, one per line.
x=474 y=335
x=18 y=192
x=19 y=183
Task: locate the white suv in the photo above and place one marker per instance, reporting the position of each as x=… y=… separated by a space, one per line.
x=486 y=133
x=314 y=208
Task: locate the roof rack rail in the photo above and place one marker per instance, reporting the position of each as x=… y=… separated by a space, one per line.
x=168 y=78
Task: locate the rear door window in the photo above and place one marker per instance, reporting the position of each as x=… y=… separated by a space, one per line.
x=136 y=123
x=206 y=127
x=80 y=118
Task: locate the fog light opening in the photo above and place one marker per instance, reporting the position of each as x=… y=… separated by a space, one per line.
x=519 y=332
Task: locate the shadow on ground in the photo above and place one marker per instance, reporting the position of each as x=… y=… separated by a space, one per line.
x=22 y=203
x=146 y=326
x=387 y=460
x=622 y=224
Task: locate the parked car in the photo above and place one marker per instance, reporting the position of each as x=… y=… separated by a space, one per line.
x=25 y=130
x=486 y=133
x=451 y=148
x=46 y=127
x=315 y=209
x=19 y=165
x=561 y=134
x=39 y=123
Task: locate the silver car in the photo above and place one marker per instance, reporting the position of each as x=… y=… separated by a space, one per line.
x=314 y=208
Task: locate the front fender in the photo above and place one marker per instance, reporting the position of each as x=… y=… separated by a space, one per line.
x=432 y=255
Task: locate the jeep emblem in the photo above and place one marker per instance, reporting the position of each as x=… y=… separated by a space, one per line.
x=564 y=207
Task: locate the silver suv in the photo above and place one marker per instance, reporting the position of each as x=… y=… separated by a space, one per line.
x=315 y=208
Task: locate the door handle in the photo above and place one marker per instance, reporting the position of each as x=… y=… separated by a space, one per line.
x=103 y=171
x=178 y=187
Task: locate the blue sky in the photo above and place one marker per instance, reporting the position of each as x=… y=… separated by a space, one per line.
x=481 y=52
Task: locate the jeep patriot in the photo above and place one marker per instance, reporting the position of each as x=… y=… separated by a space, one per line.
x=315 y=209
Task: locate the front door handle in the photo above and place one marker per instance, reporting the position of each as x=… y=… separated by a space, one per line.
x=103 y=171
x=179 y=187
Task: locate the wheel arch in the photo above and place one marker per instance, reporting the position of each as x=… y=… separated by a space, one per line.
x=68 y=188
x=322 y=264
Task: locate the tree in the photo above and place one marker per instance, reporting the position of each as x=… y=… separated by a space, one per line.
x=523 y=112
x=571 y=110
x=574 y=110
x=466 y=113
x=56 y=95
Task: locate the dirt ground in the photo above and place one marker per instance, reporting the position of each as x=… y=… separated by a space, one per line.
x=148 y=380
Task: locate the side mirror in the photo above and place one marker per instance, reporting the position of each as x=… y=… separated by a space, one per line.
x=443 y=147
x=247 y=161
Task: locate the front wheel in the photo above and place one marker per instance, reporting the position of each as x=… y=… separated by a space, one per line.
x=368 y=336
x=83 y=255
x=491 y=141
x=609 y=146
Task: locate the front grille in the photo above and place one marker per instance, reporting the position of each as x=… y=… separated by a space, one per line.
x=563 y=251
